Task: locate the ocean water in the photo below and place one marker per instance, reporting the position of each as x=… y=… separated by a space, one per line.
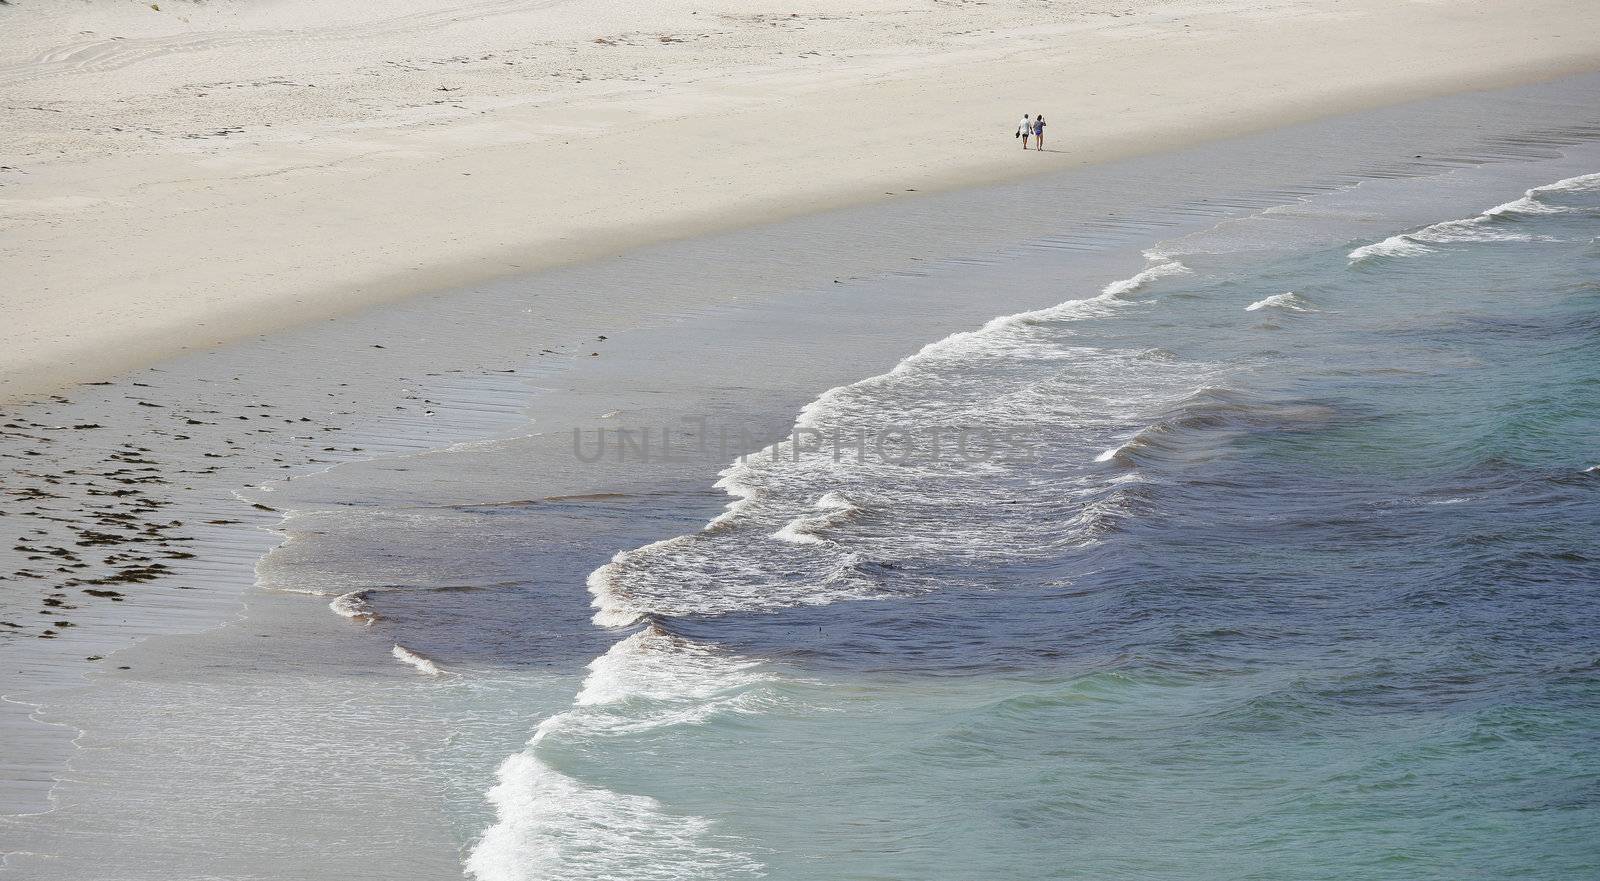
x=1293 y=577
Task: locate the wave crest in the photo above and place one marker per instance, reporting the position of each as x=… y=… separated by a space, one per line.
x=1486 y=227
x=834 y=509
x=550 y=824
x=1288 y=300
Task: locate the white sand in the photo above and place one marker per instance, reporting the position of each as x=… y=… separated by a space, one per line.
x=179 y=177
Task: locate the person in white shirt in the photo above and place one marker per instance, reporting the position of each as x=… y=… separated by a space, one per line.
x=1025 y=129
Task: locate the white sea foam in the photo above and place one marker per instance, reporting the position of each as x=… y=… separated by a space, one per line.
x=353 y=605
x=605 y=584
x=1535 y=201
x=1006 y=335
x=698 y=575
x=799 y=531
x=1112 y=453
x=1288 y=300
x=1473 y=229
x=407 y=656
x=1583 y=183
x=1162 y=268
x=834 y=509
x=1528 y=204
x=655 y=665
x=1482 y=228
x=1413 y=244
x=837 y=501
x=1393 y=246
x=550 y=825
x=730 y=482
x=554 y=828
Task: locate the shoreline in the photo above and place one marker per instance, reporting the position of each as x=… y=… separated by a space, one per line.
x=274 y=233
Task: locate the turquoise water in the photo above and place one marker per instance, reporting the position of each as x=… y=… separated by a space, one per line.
x=1298 y=582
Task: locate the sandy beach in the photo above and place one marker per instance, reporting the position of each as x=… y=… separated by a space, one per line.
x=180 y=175
x=309 y=308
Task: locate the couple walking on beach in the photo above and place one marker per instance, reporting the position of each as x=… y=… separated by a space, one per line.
x=1034 y=127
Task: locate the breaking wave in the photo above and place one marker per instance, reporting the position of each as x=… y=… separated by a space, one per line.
x=415 y=661
x=1289 y=300
x=1490 y=226
x=551 y=826
x=834 y=509
x=353 y=605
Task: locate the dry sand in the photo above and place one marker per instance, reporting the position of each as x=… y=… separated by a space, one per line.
x=184 y=173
